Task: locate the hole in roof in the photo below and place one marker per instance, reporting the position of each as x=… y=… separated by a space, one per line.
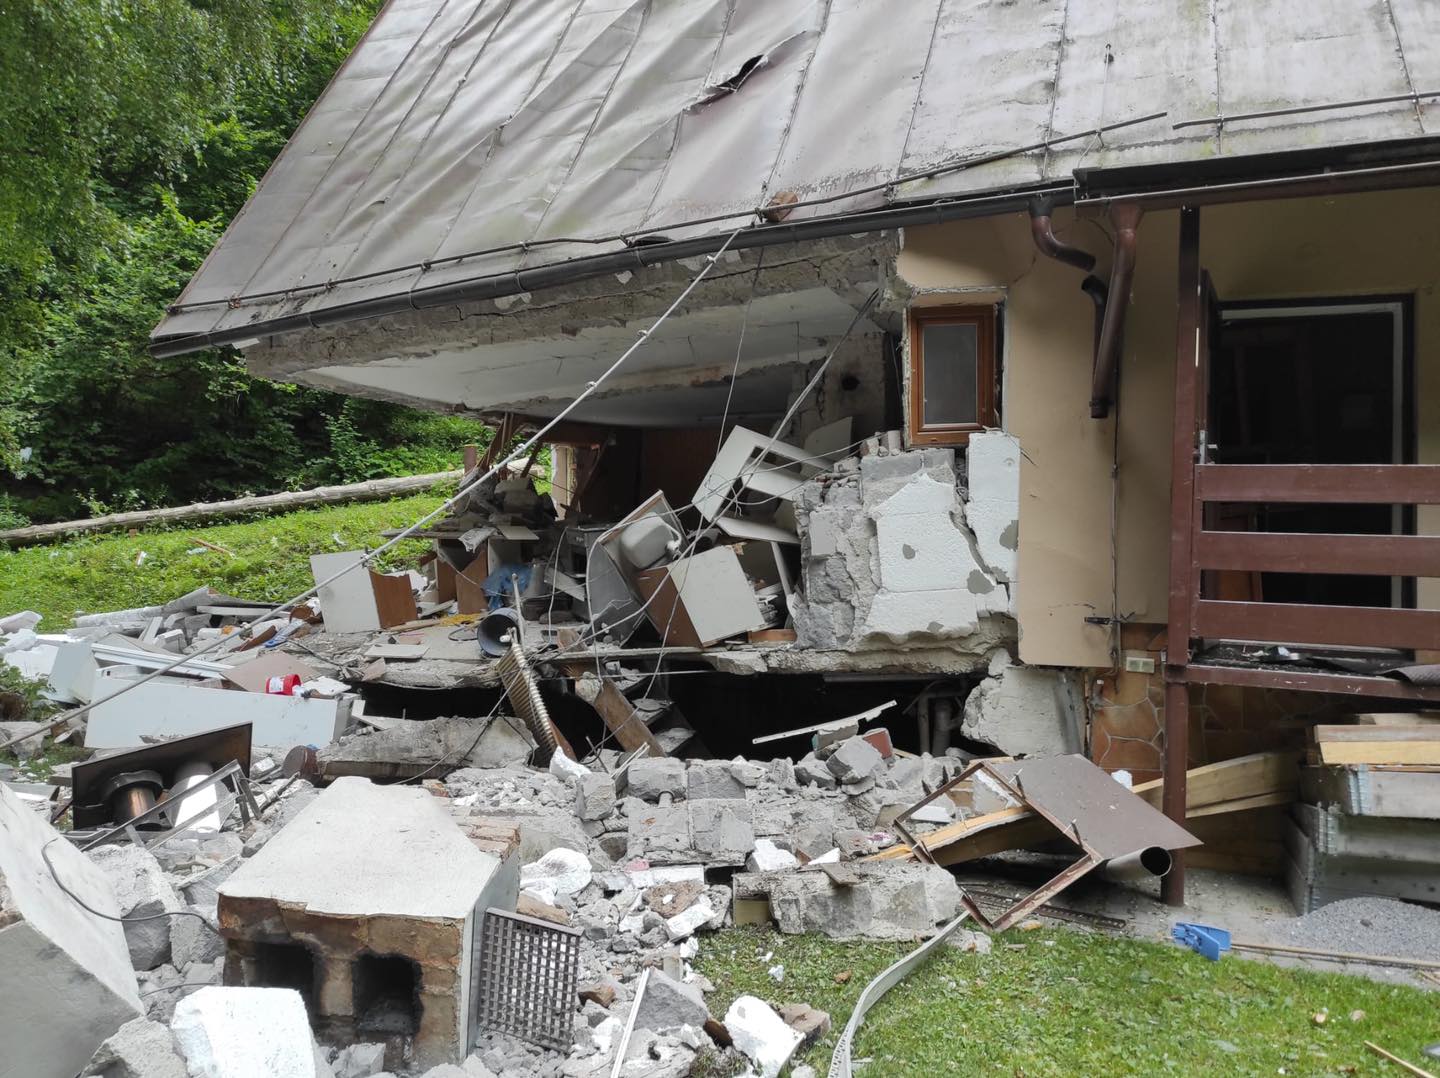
x=725 y=87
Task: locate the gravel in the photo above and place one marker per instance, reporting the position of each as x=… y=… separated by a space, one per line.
x=1380 y=926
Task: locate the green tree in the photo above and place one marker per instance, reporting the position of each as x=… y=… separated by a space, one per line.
x=108 y=93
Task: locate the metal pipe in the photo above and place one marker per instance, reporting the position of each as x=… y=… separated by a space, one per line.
x=192 y=804
x=1126 y=217
x=1051 y=245
x=1300 y=110
x=1140 y=865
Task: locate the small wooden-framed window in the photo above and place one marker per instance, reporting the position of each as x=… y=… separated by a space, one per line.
x=952 y=373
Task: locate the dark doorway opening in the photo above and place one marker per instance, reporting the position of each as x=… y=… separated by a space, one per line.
x=286 y=965
x=386 y=995
x=1312 y=383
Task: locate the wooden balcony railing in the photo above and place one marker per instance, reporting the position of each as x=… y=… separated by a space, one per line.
x=1287 y=552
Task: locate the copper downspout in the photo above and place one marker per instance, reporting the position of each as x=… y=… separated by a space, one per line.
x=1126 y=218
x=1043 y=232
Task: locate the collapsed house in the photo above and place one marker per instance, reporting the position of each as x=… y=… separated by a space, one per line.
x=1103 y=366
x=1069 y=382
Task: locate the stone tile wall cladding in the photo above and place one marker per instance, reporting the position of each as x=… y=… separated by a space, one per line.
x=1127 y=715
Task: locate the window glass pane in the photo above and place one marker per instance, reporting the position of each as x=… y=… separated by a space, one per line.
x=950 y=379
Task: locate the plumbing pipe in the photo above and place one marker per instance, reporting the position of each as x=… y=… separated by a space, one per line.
x=1140 y=865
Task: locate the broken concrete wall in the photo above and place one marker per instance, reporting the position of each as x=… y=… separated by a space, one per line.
x=888 y=559
x=1026 y=710
x=69 y=984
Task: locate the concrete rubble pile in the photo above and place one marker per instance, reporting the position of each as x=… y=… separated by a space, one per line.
x=637 y=861
x=265 y=872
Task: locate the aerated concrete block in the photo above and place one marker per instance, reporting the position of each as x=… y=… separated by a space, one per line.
x=143 y=890
x=65 y=978
x=713 y=778
x=655 y=775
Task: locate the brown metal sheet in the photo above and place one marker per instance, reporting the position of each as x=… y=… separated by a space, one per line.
x=1087 y=805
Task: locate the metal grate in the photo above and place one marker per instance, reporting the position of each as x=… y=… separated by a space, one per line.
x=528 y=979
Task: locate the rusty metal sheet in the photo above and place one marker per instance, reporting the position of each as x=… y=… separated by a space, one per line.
x=1087 y=805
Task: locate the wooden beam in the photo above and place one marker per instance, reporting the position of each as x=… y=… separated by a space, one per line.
x=1343 y=484
x=1287 y=552
x=1298 y=623
x=1362 y=732
x=1184 y=575
x=370 y=490
x=1232 y=780
x=1380 y=752
x=1310 y=681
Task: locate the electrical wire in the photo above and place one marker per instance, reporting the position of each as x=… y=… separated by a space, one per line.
x=756 y=462
x=45 y=856
x=463 y=493
x=956 y=164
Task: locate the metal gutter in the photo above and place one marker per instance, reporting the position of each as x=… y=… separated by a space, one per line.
x=633 y=258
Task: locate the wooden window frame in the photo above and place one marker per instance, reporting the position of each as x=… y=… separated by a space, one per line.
x=986 y=368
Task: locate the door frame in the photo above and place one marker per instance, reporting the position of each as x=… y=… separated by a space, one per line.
x=1404 y=447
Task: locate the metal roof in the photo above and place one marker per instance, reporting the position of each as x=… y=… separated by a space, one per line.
x=483 y=139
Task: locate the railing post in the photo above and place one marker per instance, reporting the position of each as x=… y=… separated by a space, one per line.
x=1182 y=518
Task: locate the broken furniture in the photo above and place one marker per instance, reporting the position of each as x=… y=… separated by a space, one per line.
x=749 y=469
x=69 y=984
x=700 y=600
x=1071 y=798
x=175 y=707
x=167 y=788
x=369 y=904
x=359 y=599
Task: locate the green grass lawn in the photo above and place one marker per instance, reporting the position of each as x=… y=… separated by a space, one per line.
x=1063 y=1002
x=271 y=560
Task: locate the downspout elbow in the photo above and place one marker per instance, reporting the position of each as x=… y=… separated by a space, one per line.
x=1043 y=232
x=1126 y=218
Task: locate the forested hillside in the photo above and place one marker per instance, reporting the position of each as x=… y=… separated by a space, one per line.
x=130 y=134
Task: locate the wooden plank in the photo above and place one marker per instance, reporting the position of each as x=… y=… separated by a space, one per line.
x=1243 y=804
x=1231 y=780
x=1007 y=829
x=1396 y=718
x=616 y=711
x=1344 y=484
x=1296 y=552
x=1417 y=732
x=1287 y=623
x=1403 y=1064
x=1380 y=752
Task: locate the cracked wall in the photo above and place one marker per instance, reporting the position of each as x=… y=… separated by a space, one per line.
x=890 y=561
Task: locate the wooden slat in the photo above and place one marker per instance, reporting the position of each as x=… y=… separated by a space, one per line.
x=1298 y=552
x=1418 y=732
x=1343 y=484
x=1380 y=752
x=1255 y=677
x=1346 y=626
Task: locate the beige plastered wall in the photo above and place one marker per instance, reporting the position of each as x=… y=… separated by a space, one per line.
x=1383 y=243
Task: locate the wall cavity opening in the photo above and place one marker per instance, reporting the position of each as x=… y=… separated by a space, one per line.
x=285 y=965
x=386 y=995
